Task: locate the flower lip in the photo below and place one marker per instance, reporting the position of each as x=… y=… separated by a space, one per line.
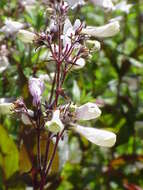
x=106 y=4
x=107 y=30
x=74 y=3
x=99 y=137
x=87 y=111
x=26 y=36
x=11 y=27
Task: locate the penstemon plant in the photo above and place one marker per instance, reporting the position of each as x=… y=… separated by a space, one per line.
x=68 y=47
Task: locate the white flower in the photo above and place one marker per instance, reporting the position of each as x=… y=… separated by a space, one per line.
x=87 y=111
x=5 y=107
x=97 y=136
x=123 y=6
x=107 y=30
x=55 y=125
x=106 y=4
x=74 y=3
x=26 y=36
x=28 y=2
x=69 y=30
x=4 y=63
x=80 y=63
x=11 y=27
x=25 y=119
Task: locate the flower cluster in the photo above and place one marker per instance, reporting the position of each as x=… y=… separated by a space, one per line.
x=69 y=52
x=68 y=45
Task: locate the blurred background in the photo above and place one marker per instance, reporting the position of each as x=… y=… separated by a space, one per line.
x=113 y=77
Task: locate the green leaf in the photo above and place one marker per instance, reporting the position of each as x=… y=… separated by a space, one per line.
x=9 y=155
x=24 y=160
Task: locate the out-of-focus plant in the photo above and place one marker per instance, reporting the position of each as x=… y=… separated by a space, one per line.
x=47 y=110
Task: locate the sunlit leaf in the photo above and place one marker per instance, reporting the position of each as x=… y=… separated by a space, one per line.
x=25 y=164
x=9 y=154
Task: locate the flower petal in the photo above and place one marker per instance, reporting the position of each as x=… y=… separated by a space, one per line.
x=74 y=3
x=107 y=30
x=87 y=111
x=80 y=63
x=106 y=4
x=97 y=136
x=26 y=36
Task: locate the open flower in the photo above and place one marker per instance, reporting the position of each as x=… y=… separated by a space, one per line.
x=80 y=63
x=87 y=111
x=97 y=136
x=74 y=3
x=106 y=4
x=36 y=87
x=4 y=63
x=11 y=27
x=69 y=31
x=123 y=6
x=25 y=119
x=107 y=30
x=26 y=36
x=55 y=125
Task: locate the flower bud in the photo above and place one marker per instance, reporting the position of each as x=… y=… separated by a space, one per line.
x=107 y=30
x=80 y=63
x=93 y=45
x=55 y=125
x=97 y=136
x=25 y=119
x=36 y=87
x=26 y=36
x=87 y=111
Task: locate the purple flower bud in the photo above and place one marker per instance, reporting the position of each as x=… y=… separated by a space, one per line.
x=36 y=88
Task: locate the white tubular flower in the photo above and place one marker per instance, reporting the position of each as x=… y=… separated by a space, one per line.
x=106 y=4
x=80 y=63
x=123 y=6
x=11 y=27
x=87 y=111
x=28 y=2
x=107 y=30
x=25 y=119
x=4 y=63
x=26 y=36
x=6 y=108
x=97 y=136
x=55 y=125
x=74 y=3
